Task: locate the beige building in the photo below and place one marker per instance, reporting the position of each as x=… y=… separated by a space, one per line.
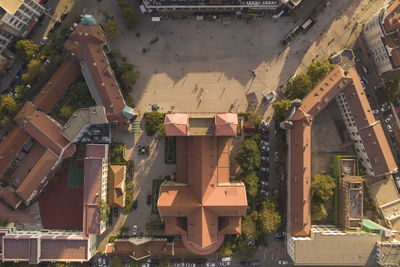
x=351 y=202
x=17 y=18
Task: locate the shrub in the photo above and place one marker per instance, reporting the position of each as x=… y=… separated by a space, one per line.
x=154 y=121
x=129 y=185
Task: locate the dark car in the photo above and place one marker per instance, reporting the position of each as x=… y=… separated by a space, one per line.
x=155 y=39
x=115 y=212
x=135 y=204
x=148 y=201
x=63 y=16
x=56 y=25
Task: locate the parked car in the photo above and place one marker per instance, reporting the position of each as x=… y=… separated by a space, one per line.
x=100 y=262
x=190 y=264
x=265 y=148
x=365 y=69
x=264 y=158
x=388 y=118
x=135 y=204
x=263 y=192
x=283 y=262
x=135 y=230
x=63 y=16
x=265 y=153
x=385 y=108
x=155 y=39
x=390 y=128
x=44 y=41
x=292 y=78
x=375 y=111
x=270 y=97
x=224 y=263
x=264 y=136
x=264 y=124
x=264 y=183
x=115 y=212
x=254 y=263
x=265 y=143
x=264 y=169
x=181 y=264
x=148 y=201
x=276 y=156
x=265 y=178
x=210 y=264
x=244 y=262
x=363 y=85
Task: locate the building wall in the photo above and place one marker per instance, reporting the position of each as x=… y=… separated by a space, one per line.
x=353 y=132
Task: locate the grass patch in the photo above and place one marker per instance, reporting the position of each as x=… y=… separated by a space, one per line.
x=170 y=150
x=155 y=190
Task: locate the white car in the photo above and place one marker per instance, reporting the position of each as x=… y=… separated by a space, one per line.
x=135 y=230
x=224 y=263
x=276 y=156
x=263 y=192
x=264 y=183
x=44 y=41
x=263 y=169
x=283 y=262
x=264 y=158
x=210 y=264
x=389 y=127
x=292 y=78
x=264 y=123
x=388 y=118
x=270 y=97
x=375 y=111
x=385 y=108
x=265 y=148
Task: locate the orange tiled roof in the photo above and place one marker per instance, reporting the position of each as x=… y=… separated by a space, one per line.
x=176 y=124
x=143 y=249
x=56 y=86
x=116 y=184
x=39 y=171
x=204 y=198
x=10 y=198
x=10 y=146
x=226 y=124
x=392 y=20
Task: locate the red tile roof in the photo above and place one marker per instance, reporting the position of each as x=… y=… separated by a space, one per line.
x=10 y=198
x=56 y=86
x=226 y=124
x=93 y=169
x=33 y=180
x=176 y=124
x=44 y=130
x=10 y=146
x=85 y=43
x=371 y=133
x=140 y=249
x=392 y=20
x=204 y=198
x=116 y=183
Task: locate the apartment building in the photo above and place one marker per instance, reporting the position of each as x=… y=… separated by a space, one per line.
x=17 y=19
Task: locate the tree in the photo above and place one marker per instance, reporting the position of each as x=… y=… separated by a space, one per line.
x=251 y=181
x=249 y=156
x=226 y=249
x=130 y=16
x=129 y=101
x=104 y=210
x=318 y=211
x=389 y=92
x=318 y=70
x=245 y=250
x=116 y=262
x=322 y=187
x=22 y=92
x=35 y=71
x=282 y=109
x=66 y=112
x=8 y=106
x=129 y=77
x=5 y=122
x=116 y=53
x=300 y=86
x=249 y=226
x=26 y=49
x=111 y=28
x=160 y=131
x=123 y=3
x=81 y=93
x=154 y=120
x=269 y=217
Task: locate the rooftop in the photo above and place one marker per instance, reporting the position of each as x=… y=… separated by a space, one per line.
x=11 y=6
x=140 y=248
x=392 y=19
x=116 y=183
x=10 y=146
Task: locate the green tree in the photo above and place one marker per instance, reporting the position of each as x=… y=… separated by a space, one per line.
x=116 y=262
x=5 y=122
x=129 y=101
x=26 y=50
x=249 y=226
x=66 y=112
x=116 y=54
x=123 y=3
x=389 y=92
x=226 y=249
x=111 y=28
x=269 y=217
x=300 y=86
x=249 y=156
x=130 y=16
x=129 y=77
x=282 y=109
x=154 y=120
x=318 y=211
x=81 y=93
x=322 y=187
x=8 y=105
x=160 y=131
x=36 y=70
x=251 y=181
x=245 y=250
x=104 y=210
x=318 y=70
x=22 y=92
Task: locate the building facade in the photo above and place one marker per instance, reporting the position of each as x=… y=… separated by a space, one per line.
x=17 y=19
